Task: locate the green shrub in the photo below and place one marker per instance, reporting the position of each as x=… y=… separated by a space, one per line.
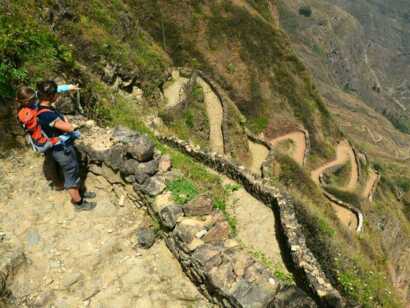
x=348 y=197
x=305 y=11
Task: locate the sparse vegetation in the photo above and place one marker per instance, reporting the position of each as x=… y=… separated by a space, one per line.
x=305 y=11
x=182 y=190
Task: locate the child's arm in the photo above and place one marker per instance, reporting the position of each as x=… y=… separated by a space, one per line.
x=67 y=87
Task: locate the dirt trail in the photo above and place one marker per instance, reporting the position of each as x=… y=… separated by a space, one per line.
x=174 y=90
x=299 y=140
x=344 y=153
x=255 y=226
x=259 y=154
x=215 y=116
x=371 y=182
x=347 y=217
x=84 y=259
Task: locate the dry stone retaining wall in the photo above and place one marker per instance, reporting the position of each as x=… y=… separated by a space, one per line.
x=196 y=233
x=303 y=259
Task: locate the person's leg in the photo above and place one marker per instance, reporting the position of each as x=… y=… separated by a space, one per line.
x=52 y=171
x=69 y=164
x=75 y=195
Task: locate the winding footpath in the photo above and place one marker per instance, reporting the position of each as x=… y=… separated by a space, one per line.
x=344 y=154
x=371 y=185
x=299 y=141
x=215 y=116
x=259 y=153
x=174 y=90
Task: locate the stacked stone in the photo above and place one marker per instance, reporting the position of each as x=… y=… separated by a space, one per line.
x=197 y=234
x=303 y=259
x=128 y=154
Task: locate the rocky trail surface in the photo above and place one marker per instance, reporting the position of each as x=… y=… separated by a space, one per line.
x=256 y=226
x=174 y=90
x=299 y=145
x=84 y=259
x=215 y=117
x=259 y=154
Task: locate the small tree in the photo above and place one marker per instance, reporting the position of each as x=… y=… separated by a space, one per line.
x=305 y=11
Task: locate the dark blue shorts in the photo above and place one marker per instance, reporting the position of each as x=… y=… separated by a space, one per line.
x=68 y=161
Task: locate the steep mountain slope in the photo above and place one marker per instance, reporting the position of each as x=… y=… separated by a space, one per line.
x=357 y=53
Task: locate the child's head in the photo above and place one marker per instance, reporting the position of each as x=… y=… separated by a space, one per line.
x=25 y=95
x=47 y=91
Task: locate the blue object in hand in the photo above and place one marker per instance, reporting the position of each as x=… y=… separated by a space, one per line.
x=76 y=134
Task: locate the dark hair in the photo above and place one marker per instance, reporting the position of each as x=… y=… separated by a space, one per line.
x=46 y=90
x=25 y=95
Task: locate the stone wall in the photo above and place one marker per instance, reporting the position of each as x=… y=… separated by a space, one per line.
x=196 y=233
x=302 y=258
x=356 y=211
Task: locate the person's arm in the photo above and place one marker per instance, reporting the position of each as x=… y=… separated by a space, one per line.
x=63 y=126
x=67 y=88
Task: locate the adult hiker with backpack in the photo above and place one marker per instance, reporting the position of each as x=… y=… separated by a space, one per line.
x=51 y=133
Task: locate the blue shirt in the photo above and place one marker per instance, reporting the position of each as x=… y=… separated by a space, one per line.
x=47 y=120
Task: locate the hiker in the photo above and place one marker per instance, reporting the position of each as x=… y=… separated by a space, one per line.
x=27 y=101
x=59 y=135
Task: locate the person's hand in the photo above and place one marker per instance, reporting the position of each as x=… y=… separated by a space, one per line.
x=74 y=87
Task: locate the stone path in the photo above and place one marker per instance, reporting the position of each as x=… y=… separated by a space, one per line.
x=174 y=90
x=259 y=154
x=299 y=140
x=84 y=259
x=215 y=117
x=344 y=154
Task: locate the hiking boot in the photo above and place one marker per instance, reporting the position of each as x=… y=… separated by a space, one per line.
x=85 y=206
x=89 y=195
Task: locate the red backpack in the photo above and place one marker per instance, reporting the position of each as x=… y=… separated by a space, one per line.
x=28 y=117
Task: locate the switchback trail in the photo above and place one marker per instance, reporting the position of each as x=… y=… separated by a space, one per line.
x=259 y=154
x=215 y=116
x=370 y=185
x=174 y=90
x=344 y=154
x=299 y=142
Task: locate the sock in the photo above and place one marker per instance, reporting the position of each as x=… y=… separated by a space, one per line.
x=77 y=203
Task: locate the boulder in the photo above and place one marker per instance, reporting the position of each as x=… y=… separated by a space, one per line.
x=115 y=157
x=141 y=149
x=169 y=215
x=164 y=164
x=129 y=167
x=150 y=168
x=146 y=238
x=152 y=186
x=292 y=297
x=140 y=177
x=200 y=206
x=124 y=135
x=219 y=232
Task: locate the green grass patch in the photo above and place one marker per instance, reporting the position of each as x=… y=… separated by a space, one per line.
x=345 y=196
x=277 y=270
x=182 y=190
